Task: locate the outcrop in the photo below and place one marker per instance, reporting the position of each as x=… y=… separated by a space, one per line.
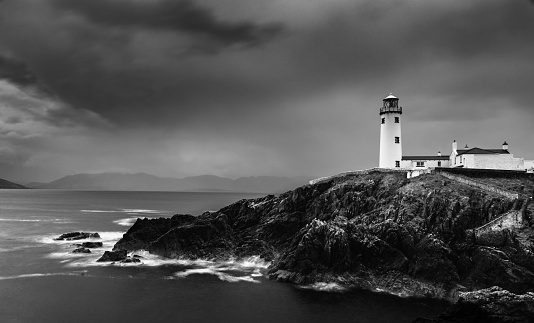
x=118 y=255
x=90 y=244
x=77 y=236
x=378 y=231
x=81 y=250
x=490 y=305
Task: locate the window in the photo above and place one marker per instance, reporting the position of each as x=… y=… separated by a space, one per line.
x=439 y=164
x=420 y=164
x=383 y=120
x=396 y=119
x=397 y=140
x=397 y=163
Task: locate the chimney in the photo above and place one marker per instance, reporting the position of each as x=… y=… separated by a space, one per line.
x=505 y=146
x=439 y=153
x=454 y=146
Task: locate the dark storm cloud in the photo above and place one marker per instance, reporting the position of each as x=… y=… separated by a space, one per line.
x=371 y=46
x=184 y=71
x=16 y=71
x=183 y=16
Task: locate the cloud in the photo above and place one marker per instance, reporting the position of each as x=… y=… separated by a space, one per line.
x=247 y=87
x=16 y=71
x=184 y=16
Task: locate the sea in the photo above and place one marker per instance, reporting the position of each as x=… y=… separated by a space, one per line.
x=41 y=280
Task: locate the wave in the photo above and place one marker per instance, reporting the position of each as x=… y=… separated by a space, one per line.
x=35 y=220
x=70 y=259
x=127 y=222
x=252 y=267
x=106 y=237
x=76 y=273
x=21 y=220
x=216 y=272
x=128 y=211
x=245 y=270
x=98 y=211
x=325 y=287
x=16 y=248
x=142 y=211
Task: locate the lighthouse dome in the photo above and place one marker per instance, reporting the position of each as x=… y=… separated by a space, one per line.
x=390 y=96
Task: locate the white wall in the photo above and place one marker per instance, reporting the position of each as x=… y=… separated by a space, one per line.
x=529 y=164
x=427 y=163
x=389 y=150
x=490 y=161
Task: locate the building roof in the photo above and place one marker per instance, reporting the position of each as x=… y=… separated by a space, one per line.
x=391 y=96
x=425 y=157
x=480 y=151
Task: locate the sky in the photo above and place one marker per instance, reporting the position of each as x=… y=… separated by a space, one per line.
x=234 y=88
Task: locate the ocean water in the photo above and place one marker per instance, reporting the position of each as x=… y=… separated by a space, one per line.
x=41 y=280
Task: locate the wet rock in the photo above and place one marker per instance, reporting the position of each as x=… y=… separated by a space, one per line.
x=116 y=255
x=90 y=244
x=130 y=260
x=376 y=231
x=491 y=305
x=77 y=236
x=81 y=250
x=145 y=231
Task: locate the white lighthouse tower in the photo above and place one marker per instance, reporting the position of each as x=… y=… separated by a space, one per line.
x=390 y=133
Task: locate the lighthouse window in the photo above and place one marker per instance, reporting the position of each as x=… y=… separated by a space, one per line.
x=396 y=119
x=383 y=120
x=397 y=163
x=397 y=140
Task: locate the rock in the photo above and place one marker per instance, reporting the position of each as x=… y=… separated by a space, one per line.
x=117 y=255
x=81 y=250
x=376 y=231
x=130 y=260
x=493 y=304
x=90 y=244
x=145 y=231
x=77 y=236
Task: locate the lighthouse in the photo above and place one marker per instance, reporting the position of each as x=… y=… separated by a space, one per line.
x=390 y=133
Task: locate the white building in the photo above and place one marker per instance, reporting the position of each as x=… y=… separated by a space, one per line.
x=485 y=158
x=390 y=133
x=482 y=158
x=416 y=162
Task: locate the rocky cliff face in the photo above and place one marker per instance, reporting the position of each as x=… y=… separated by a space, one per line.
x=490 y=305
x=376 y=231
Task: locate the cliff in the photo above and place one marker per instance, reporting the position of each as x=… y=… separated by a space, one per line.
x=378 y=231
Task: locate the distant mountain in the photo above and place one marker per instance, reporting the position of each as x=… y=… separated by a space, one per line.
x=9 y=185
x=147 y=182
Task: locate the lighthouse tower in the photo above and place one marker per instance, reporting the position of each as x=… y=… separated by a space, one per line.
x=390 y=133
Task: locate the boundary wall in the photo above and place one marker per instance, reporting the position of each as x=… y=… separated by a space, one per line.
x=473 y=182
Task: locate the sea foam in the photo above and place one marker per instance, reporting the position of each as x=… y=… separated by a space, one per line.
x=75 y=273
x=127 y=222
x=325 y=287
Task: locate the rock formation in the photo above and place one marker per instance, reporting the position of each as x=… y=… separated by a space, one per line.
x=90 y=244
x=489 y=305
x=81 y=250
x=375 y=231
x=77 y=236
x=113 y=256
